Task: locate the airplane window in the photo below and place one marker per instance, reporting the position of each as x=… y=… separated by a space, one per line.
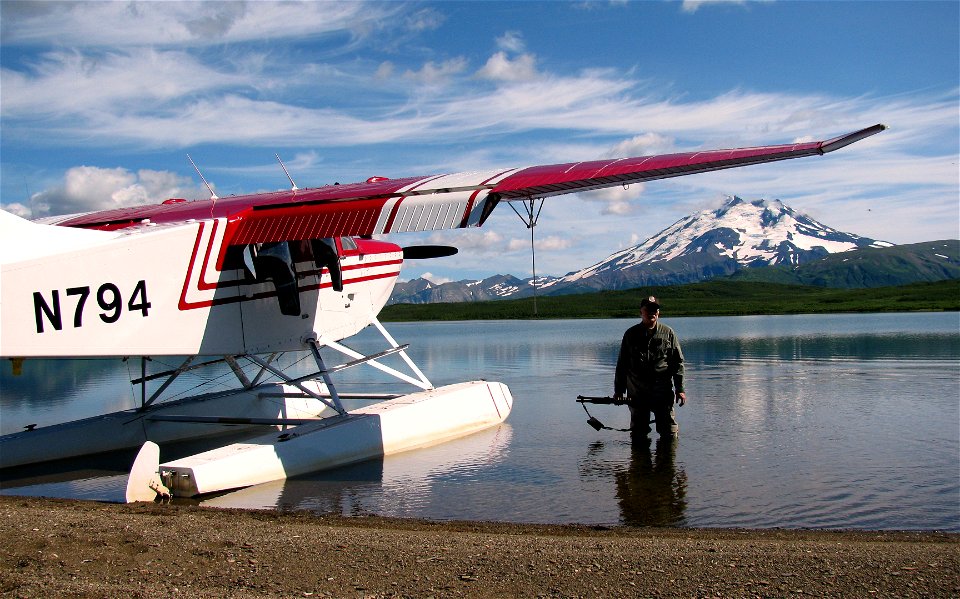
x=347 y=243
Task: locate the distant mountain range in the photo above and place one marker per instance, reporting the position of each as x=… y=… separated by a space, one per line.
x=759 y=240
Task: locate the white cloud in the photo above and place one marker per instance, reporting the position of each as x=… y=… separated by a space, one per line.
x=500 y=67
x=432 y=73
x=511 y=41
x=385 y=70
x=425 y=19
x=692 y=6
x=549 y=243
x=18 y=209
x=642 y=145
x=436 y=280
x=65 y=83
x=517 y=245
x=485 y=240
x=472 y=243
x=174 y=99
x=87 y=188
x=553 y=242
x=619 y=201
x=184 y=24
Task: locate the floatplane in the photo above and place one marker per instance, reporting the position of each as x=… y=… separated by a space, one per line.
x=235 y=282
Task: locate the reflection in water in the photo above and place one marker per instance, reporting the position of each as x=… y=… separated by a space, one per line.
x=824 y=421
x=652 y=491
x=397 y=485
x=46 y=392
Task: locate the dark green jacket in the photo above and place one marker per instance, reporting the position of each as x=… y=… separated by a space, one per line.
x=649 y=362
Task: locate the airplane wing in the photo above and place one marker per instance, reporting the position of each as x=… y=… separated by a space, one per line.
x=380 y=205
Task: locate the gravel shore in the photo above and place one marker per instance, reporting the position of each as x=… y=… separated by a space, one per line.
x=63 y=548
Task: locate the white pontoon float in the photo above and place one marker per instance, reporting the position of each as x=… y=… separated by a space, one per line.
x=293 y=426
x=384 y=428
x=395 y=424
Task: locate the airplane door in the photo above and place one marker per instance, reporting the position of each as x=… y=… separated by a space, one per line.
x=350 y=259
x=301 y=287
x=328 y=256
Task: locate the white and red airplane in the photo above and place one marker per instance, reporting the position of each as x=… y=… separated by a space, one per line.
x=247 y=277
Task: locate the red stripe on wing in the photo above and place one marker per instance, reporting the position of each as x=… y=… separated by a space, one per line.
x=542 y=181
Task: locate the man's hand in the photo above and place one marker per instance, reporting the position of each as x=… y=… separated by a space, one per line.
x=681 y=398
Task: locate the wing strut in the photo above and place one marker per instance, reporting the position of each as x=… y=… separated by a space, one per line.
x=325 y=374
x=530 y=220
x=171 y=376
x=297 y=382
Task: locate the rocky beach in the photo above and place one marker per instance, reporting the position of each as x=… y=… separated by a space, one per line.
x=68 y=548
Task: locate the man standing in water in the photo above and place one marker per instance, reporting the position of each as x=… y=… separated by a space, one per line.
x=650 y=372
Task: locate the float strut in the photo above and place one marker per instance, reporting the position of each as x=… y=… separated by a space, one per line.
x=326 y=376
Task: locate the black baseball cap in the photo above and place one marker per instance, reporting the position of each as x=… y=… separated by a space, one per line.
x=650 y=302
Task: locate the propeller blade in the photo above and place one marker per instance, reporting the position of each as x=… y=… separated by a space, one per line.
x=423 y=252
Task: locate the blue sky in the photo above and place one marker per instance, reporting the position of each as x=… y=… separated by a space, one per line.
x=101 y=102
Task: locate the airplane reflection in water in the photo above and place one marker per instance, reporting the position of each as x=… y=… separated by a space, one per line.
x=649 y=488
x=398 y=485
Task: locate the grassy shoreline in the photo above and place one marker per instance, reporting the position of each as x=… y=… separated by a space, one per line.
x=712 y=298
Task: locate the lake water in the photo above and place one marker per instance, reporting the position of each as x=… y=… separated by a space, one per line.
x=837 y=421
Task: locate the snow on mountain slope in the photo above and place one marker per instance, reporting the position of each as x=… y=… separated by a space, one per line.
x=710 y=243
x=753 y=233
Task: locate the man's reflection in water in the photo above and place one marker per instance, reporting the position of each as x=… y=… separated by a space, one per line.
x=651 y=491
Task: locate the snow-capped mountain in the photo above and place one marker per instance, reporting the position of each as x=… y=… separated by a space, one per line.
x=707 y=244
x=422 y=291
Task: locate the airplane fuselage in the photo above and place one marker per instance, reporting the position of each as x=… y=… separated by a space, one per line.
x=179 y=290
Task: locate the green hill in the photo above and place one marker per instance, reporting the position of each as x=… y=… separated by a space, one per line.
x=712 y=298
x=868 y=267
